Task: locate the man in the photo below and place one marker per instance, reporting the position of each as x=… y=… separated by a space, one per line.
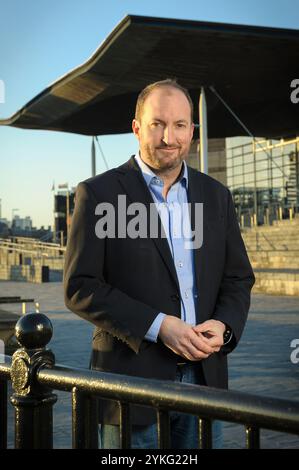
x=161 y=309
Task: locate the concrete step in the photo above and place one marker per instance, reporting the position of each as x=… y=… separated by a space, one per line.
x=277 y=281
x=274 y=264
x=286 y=222
x=270 y=247
x=274 y=259
x=271 y=235
x=274 y=253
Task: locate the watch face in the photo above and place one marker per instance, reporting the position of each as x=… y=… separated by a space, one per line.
x=227 y=335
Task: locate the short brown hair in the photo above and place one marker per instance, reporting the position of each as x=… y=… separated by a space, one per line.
x=168 y=82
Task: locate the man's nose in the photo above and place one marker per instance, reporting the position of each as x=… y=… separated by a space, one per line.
x=168 y=136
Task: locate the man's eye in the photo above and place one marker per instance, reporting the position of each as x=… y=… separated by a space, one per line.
x=156 y=124
x=181 y=125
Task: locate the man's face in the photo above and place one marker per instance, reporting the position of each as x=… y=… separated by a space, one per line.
x=165 y=129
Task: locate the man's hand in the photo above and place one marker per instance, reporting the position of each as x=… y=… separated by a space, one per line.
x=182 y=339
x=213 y=331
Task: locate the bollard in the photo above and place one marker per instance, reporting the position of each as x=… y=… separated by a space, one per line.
x=280 y=213
x=33 y=402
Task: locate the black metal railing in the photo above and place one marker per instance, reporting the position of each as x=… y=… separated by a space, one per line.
x=34 y=376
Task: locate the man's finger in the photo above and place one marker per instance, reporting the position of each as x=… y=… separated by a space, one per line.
x=216 y=342
x=201 y=345
x=206 y=326
x=193 y=354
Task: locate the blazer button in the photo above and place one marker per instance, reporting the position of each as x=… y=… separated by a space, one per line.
x=175 y=297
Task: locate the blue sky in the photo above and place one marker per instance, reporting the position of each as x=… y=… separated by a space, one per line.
x=42 y=40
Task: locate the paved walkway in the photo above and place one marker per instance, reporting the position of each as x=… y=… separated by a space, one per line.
x=260 y=365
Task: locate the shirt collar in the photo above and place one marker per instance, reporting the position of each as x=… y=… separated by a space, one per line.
x=148 y=174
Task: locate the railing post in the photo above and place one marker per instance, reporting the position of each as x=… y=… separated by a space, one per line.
x=33 y=402
x=163 y=424
x=125 y=426
x=252 y=437
x=205 y=433
x=84 y=420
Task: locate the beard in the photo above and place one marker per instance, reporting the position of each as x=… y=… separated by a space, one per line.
x=161 y=159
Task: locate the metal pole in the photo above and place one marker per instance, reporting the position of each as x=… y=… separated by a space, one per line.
x=54 y=224
x=163 y=423
x=67 y=213
x=252 y=437
x=255 y=202
x=205 y=434
x=84 y=420
x=93 y=158
x=203 y=132
x=125 y=426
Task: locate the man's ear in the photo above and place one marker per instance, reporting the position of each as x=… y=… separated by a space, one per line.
x=136 y=128
x=192 y=130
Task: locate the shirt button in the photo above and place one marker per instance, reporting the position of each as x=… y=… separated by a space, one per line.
x=186 y=295
x=181 y=264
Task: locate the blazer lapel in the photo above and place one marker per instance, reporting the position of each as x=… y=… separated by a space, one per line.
x=196 y=195
x=137 y=191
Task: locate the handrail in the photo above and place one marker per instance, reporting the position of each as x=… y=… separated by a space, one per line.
x=34 y=375
x=39 y=246
x=19 y=247
x=226 y=405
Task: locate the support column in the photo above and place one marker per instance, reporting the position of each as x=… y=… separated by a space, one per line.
x=203 y=132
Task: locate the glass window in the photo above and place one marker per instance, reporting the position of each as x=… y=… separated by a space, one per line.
x=238 y=160
x=238 y=170
x=248 y=168
x=248 y=157
x=261 y=165
x=235 y=151
x=238 y=180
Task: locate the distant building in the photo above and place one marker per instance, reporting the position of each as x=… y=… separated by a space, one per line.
x=262 y=175
x=5 y=221
x=23 y=227
x=63 y=210
x=22 y=224
x=4 y=228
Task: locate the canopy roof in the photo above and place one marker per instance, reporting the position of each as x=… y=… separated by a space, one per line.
x=250 y=67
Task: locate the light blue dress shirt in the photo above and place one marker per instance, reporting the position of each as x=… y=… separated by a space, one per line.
x=176 y=223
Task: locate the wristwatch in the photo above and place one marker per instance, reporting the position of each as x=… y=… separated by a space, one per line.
x=227 y=335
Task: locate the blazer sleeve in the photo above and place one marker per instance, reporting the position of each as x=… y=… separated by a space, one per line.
x=86 y=292
x=233 y=300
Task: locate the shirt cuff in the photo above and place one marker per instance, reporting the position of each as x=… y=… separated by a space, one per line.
x=152 y=334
